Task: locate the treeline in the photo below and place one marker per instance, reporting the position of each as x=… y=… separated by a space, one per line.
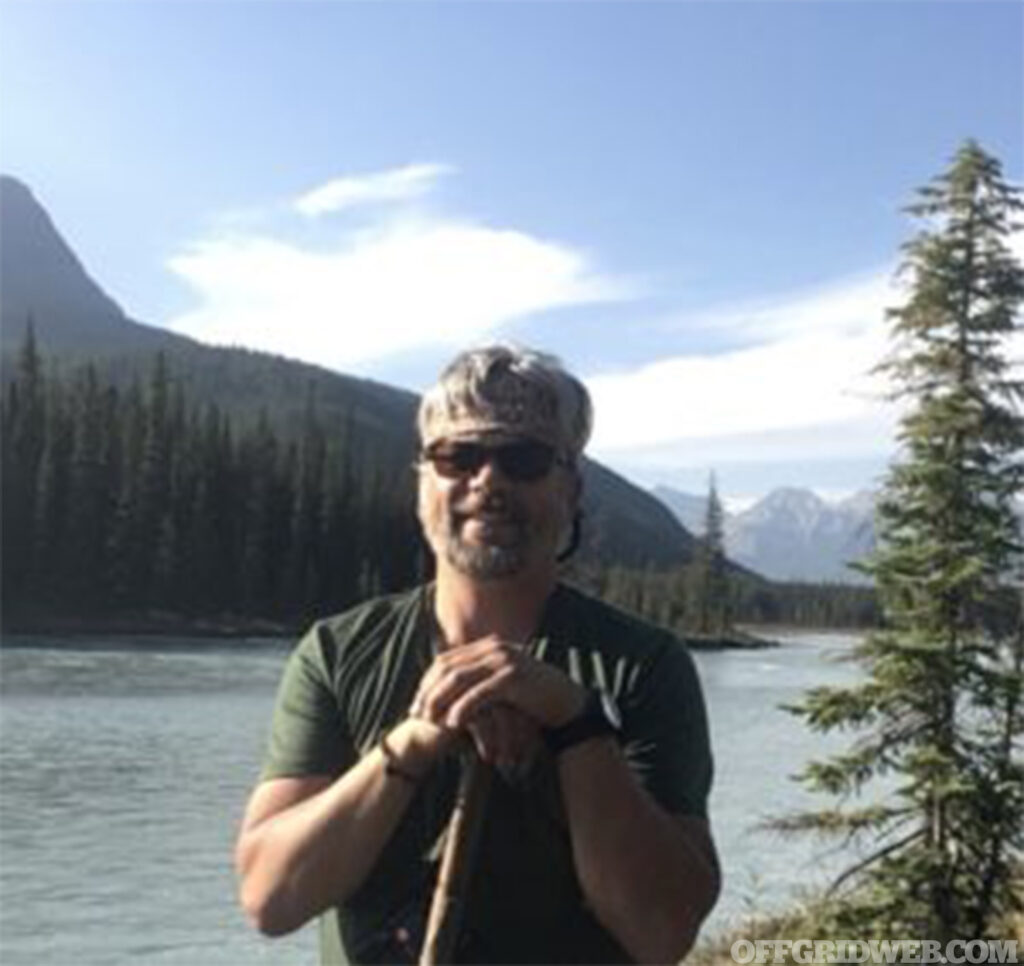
x=138 y=500
x=132 y=500
x=676 y=599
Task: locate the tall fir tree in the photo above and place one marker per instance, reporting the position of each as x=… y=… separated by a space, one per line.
x=711 y=584
x=940 y=708
x=90 y=493
x=24 y=437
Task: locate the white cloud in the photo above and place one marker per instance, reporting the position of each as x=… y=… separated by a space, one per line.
x=404 y=285
x=396 y=184
x=847 y=307
x=810 y=368
x=800 y=389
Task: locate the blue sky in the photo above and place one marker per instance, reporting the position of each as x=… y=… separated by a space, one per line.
x=695 y=204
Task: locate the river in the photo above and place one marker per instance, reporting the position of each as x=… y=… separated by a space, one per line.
x=124 y=766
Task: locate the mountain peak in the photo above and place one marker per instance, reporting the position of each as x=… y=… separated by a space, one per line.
x=9 y=183
x=42 y=278
x=791 y=533
x=802 y=507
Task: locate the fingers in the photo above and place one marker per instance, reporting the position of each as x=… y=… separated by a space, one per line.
x=484 y=692
x=464 y=680
x=459 y=671
x=504 y=737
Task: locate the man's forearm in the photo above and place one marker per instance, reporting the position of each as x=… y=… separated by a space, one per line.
x=299 y=861
x=649 y=878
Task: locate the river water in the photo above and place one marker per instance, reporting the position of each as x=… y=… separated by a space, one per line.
x=124 y=767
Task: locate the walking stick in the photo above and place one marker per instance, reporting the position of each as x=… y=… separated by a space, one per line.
x=464 y=827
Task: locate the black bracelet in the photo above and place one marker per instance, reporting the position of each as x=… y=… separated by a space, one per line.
x=391 y=765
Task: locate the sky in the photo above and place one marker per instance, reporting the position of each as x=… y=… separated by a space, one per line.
x=696 y=205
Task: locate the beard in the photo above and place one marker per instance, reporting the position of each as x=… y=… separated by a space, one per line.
x=503 y=552
x=491 y=535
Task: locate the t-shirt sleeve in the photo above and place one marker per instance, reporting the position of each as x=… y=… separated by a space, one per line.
x=666 y=733
x=307 y=732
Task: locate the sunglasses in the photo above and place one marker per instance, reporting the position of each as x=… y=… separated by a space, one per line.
x=523 y=461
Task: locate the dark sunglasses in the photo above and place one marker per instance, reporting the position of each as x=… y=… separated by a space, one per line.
x=523 y=461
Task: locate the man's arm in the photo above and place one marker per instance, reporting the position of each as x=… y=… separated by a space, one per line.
x=650 y=877
x=308 y=843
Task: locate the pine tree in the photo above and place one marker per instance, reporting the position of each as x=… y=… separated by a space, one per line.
x=258 y=458
x=24 y=440
x=711 y=582
x=941 y=709
x=305 y=570
x=90 y=497
x=127 y=550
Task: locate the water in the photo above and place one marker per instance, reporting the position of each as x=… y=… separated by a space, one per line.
x=124 y=768
x=758 y=750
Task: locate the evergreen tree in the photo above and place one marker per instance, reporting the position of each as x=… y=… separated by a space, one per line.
x=128 y=551
x=305 y=571
x=24 y=436
x=258 y=455
x=711 y=583
x=90 y=489
x=941 y=707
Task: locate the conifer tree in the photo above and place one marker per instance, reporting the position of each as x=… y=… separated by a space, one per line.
x=127 y=549
x=90 y=497
x=711 y=583
x=941 y=709
x=23 y=441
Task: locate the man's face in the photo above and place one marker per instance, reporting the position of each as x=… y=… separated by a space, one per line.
x=495 y=505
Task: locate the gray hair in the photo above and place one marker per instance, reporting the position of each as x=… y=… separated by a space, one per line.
x=506 y=388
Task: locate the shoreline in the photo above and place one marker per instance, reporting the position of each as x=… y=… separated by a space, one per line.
x=734 y=640
x=229 y=627
x=149 y=625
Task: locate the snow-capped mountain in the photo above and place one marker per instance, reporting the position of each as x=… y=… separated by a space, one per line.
x=794 y=534
x=791 y=534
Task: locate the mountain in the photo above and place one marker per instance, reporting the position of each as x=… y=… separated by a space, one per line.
x=42 y=279
x=793 y=534
x=790 y=534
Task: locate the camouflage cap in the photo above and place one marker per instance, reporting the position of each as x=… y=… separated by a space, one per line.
x=510 y=391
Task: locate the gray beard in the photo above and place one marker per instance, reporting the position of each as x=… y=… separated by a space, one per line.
x=484 y=562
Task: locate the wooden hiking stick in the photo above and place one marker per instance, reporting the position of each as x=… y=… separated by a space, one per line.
x=464 y=827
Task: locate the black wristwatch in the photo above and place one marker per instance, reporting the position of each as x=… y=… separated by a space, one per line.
x=599 y=717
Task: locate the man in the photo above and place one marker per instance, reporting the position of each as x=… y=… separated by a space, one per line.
x=595 y=845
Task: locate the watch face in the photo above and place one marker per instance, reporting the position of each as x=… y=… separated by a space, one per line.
x=611 y=711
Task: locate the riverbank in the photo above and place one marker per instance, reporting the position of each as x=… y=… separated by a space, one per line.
x=149 y=624
x=732 y=640
x=165 y=624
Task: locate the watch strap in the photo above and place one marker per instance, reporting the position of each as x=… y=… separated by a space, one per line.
x=593 y=721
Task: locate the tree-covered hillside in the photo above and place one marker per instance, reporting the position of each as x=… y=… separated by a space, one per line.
x=139 y=499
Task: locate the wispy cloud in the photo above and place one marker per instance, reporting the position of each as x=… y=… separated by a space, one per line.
x=843 y=307
x=404 y=285
x=809 y=367
x=395 y=184
x=798 y=388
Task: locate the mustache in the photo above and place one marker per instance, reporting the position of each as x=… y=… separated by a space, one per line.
x=496 y=506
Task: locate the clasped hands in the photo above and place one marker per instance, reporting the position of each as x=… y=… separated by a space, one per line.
x=495 y=692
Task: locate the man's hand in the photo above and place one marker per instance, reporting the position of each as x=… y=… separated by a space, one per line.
x=502 y=696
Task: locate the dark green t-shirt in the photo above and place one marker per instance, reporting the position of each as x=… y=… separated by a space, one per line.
x=352 y=677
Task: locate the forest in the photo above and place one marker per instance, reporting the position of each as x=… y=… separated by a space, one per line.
x=138 y=499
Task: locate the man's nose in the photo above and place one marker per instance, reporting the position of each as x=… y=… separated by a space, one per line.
x=488 y=473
